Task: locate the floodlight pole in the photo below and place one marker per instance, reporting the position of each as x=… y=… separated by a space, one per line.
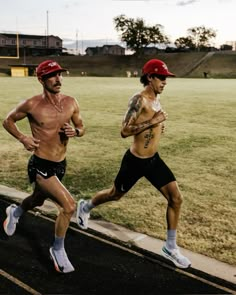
x=77 y=43
x=17 y=46
x=24 y=57
x=47 y=24
x=47 y=31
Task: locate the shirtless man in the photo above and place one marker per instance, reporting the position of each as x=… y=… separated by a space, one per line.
x=50 y=115
x=144 y=121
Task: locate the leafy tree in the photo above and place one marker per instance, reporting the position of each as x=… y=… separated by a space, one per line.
x=185 y=42
x=201 y=36
x=137 y=34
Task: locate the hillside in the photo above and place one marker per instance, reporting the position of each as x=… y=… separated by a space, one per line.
x=219 y=65
x=216 y=64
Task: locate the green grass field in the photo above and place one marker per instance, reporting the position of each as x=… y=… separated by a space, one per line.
x=199 y=146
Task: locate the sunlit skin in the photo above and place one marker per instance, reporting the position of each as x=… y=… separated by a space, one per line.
x=144 y=118
x=49 y=115
x=53 y=118
x=144 y=121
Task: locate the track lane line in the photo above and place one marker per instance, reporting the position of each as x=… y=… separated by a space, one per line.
x=19 y=283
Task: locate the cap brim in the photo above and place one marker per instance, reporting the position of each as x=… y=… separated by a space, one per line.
x=171 y=75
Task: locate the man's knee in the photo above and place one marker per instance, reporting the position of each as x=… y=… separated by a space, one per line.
x=172 y=194
x=70 y=207
x=176 y=199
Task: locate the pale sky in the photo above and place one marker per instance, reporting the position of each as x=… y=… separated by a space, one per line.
x=93 y=19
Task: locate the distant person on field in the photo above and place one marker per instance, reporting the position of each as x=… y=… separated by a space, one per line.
x=50 y=115
x=144 y=121
x=128 y=74
x=135 y=73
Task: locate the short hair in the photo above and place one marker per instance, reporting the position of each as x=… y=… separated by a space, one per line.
x=144 y=78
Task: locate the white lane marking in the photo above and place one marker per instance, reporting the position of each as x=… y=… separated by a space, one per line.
x=19 y=283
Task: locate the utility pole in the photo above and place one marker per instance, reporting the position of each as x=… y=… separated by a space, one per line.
x=47 y=33
x=82 y=44
x=77 y=44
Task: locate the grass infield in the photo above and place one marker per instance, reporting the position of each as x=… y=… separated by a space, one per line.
x=198 y=145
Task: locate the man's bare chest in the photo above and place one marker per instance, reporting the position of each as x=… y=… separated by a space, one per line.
x=149 y=109
x=49 y=117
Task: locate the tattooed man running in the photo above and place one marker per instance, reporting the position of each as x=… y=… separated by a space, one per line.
x=144 y=121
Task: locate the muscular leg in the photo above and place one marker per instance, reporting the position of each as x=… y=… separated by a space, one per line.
x=106 y=195
x=84 y=207
x=171 y=250
x=58 y=193
x=172 y=193
x=36 y=199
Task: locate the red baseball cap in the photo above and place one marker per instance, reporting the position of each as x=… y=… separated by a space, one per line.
x=156 y=66
x=47 y=67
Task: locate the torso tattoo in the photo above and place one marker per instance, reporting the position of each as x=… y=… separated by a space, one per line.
x=148 y=136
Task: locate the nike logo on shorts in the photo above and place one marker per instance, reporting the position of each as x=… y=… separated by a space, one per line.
x=44 y=174
x=122 y=188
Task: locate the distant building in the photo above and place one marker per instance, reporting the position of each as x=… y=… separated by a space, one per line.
x=105 y=50
x=232 y=43
x=226 y=47
x=151 y=50
x=33 y=45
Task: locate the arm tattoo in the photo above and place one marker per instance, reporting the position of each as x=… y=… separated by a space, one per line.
x=130 y=126
x=134 y=109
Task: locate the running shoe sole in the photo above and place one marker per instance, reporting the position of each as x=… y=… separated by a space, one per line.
x=167 y=256
x=58 y=268
x=6 y=221
x=56 y=265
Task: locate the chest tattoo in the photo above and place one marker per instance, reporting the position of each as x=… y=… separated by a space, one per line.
x=148 y=138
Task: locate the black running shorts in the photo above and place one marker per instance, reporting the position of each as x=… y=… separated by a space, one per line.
x=133 y=168
x=45 y=168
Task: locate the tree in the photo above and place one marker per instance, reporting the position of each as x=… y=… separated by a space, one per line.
x=137 y=35
x=201 y=36
x=184 y=43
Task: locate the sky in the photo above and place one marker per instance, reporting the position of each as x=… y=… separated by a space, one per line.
x=94 y=19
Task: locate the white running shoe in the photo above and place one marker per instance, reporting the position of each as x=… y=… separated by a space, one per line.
x=61 y=261
x=176 y=257
x=10 y=222
x=81 y=216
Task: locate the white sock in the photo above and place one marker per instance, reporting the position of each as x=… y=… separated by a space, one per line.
x=88 y=206
x=171 y=239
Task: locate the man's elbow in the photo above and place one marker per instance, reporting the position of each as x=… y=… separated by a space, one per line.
x=123 y=134
x=8 y=123
x=4 y=123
